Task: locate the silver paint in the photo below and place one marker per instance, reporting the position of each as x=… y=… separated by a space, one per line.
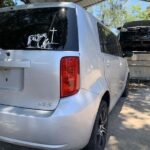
x=36 y=116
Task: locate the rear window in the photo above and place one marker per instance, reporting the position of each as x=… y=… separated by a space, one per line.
x=39 y=28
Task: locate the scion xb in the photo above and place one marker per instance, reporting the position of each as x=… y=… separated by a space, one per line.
x=61 y=73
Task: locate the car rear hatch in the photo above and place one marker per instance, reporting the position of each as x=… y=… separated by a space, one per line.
x=32 y=44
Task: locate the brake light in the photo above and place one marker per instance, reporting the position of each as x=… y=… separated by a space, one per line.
x=69 y=76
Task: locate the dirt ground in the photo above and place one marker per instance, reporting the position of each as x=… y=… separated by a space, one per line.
x=129 y=123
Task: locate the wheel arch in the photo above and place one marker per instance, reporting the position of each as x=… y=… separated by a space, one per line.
x=106 y=98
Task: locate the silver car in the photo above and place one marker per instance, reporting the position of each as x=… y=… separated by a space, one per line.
x=61 y=73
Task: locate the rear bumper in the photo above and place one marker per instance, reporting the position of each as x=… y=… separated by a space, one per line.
x=68 y=127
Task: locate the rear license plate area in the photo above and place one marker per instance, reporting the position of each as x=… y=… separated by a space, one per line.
x=11 y=78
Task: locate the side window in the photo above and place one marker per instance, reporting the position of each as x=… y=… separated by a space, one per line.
x=103 y=38
x=119 y=49
x=108 y=41
x=115 y=48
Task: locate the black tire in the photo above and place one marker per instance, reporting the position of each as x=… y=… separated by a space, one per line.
x=126 y=90
x=99 y=133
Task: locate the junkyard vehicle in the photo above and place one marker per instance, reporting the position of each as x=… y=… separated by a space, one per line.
x=135 y=40
x=135 y=36
x=61 y=73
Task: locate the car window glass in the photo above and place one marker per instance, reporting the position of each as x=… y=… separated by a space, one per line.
x=119 y=49
x=45 y=29
x=108 y=41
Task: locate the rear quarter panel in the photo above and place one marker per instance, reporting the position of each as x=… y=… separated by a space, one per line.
x=92 y=70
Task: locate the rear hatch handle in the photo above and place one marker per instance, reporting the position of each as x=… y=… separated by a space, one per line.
x=15 y=63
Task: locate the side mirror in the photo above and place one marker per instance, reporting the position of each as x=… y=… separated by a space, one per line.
x=127 y=54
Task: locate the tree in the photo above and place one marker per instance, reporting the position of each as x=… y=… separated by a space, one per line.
x=111 y=12
x=144 y=15
x=137 y=13
x=6 y=3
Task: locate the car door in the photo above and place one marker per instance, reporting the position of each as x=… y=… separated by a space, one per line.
x=111 y=62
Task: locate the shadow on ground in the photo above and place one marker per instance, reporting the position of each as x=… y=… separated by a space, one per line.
x=129 y=123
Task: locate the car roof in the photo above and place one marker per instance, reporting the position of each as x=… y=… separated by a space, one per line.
x=39 y=5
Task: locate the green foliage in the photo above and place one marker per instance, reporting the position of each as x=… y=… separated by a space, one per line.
x=110 y=12
x=6 y=3
x=113 y=13
x=137 y=14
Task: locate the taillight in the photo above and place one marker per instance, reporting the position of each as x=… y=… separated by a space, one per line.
x=69 y=76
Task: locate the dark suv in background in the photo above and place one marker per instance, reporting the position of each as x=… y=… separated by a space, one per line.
x=135 y=36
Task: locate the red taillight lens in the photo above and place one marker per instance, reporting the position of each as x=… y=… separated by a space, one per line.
x=69 y=76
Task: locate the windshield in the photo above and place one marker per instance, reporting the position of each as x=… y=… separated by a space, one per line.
x=40 y=28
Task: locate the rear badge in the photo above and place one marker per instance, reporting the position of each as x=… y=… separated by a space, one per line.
x=44 y=104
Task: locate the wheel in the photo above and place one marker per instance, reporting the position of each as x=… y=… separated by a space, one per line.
x=99 y=133
x=126 y=90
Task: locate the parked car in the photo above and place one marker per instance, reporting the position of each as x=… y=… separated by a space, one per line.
x=61 y=73
x=135 y=36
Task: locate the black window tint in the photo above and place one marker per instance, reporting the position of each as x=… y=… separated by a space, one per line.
x=102 y=38
x=119 y=49
x=108 y=41
x=114 y=45
x=40 y=28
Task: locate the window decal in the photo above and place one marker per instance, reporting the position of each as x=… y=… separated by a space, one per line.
x=41 y=41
